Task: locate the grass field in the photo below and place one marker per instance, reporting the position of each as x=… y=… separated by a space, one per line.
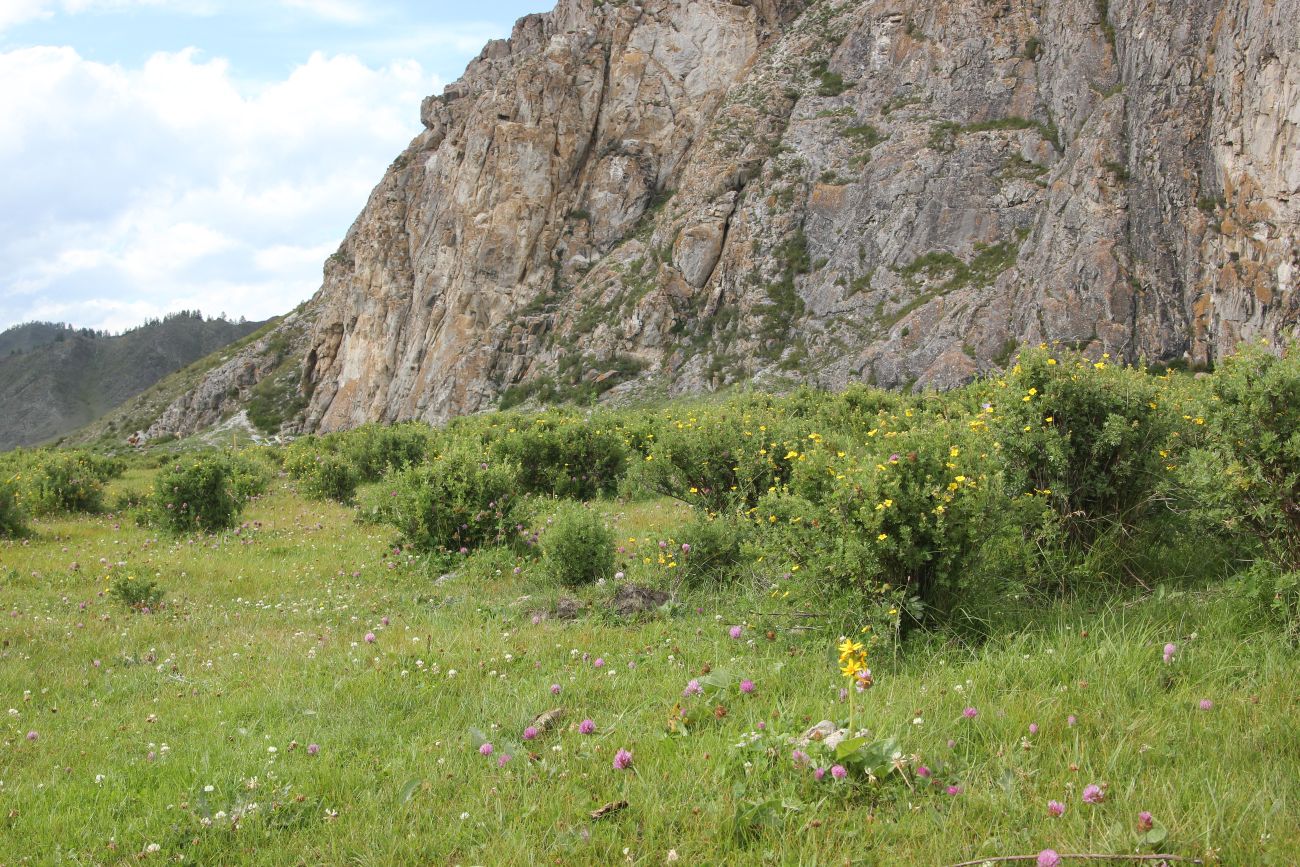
x=250 y=720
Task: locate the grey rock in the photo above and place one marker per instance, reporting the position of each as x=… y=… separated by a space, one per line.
x=890 y=191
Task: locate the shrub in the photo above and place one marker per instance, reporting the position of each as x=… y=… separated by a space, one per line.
x=577 y=547
x=139 y=594
x=1254 y=472
x=458 y=499
x=375 y=449
x=329 y=476
x=715 y=554
x=13 y=518
x=1086 y=436
x=325 y=471
x=564 y=456
x=197 y=493
x=250 y=474
x=719 y=459
x=60 y=481
x=920 y=513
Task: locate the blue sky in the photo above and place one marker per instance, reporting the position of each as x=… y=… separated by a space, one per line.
x=177 y=154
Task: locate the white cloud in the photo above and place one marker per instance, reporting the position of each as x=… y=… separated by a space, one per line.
x=15 y=12
x=177 y=186
x=341 y=11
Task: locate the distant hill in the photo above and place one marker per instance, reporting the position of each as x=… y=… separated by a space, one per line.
x=32 y=335
x=55 y=378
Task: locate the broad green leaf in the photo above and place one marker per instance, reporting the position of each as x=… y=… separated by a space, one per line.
x=849 y=746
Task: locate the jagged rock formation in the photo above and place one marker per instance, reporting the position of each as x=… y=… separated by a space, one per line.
x=698 y=192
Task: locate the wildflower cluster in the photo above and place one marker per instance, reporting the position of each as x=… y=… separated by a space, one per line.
x=853 y=664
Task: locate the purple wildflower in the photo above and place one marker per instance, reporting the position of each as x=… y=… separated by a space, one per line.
x=747 y=686
x=485 y=750
x=1092 y=794
x=530 y=733
x=622 y=760
x=586 y=727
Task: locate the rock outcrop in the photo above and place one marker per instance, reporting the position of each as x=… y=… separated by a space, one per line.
x=698 y=192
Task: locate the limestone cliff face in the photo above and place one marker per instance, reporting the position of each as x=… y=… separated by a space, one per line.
x=697 y=192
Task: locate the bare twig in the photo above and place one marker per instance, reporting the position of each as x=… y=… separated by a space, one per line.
x=1078 y=857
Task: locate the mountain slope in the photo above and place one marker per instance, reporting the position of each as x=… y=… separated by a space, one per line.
x=699 y=193
x=55 y=378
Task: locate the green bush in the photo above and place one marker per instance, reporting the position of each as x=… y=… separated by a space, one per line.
x=251 y=473
x=720 y=458
x=66 y=482
x=1085 y=435
x=716 y=553
x=328 y=476
x=913 y=512
x=460 y=499
x=13 y=518
x=564 y=456
x=139 y=594
x=577 y=547
x=1253 y=471
x=197 y=493
x=375 y=449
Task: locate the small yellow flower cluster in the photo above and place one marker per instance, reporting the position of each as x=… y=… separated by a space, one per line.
x=853 y=658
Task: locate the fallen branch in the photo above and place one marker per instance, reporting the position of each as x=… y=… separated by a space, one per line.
x=1078 y=857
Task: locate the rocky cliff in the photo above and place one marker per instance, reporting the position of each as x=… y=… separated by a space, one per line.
x=692 y=193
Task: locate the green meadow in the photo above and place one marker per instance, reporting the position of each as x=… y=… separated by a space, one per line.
x=1074 y=588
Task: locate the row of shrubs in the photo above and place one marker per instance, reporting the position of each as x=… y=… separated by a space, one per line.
x=1064 y=470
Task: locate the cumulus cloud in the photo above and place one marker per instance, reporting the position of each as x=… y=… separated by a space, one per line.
x=179 y=186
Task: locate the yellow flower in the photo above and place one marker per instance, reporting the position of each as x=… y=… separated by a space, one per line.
x=882 y=537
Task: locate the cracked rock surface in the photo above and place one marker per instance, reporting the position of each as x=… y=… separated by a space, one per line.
x=684 y=194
